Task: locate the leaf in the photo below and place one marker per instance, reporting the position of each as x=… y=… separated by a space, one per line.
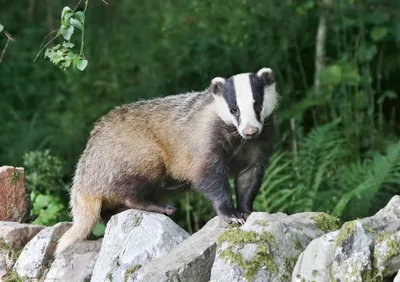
x=81 y=63
x=377 y=17
x=81 y=16
x=1 y=27
x=68 y=44
x=366 y=53
x=42 y=200
x=66 y=10
x=378 y=33
x=76 y=23
x=99 y=229
x=331 y=75
x=67 y=32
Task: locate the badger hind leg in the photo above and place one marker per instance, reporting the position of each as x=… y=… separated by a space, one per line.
x=143 y=194
x=149 y=206
x=86 y=214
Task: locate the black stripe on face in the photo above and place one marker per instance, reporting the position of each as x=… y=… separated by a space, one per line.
x=257 y=88
x=230 y=98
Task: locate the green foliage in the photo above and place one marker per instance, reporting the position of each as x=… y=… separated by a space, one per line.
x=63 y=55
x=321 y=177
x=44 y=174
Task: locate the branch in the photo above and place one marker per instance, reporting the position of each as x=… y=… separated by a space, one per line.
x=9 y=38
x=320 y=46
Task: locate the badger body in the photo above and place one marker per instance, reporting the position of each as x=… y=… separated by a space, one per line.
x=138 y=151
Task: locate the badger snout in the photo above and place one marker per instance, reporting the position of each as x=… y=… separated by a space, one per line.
x=250 y=132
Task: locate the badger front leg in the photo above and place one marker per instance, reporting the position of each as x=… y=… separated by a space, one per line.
x=215 y=186
x=247 y=185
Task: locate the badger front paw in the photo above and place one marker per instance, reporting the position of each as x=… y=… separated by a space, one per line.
x=234 y=217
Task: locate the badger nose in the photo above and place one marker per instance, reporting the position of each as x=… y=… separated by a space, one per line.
x=250 y=131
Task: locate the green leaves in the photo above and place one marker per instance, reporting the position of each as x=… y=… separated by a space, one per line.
x=63 y=55
x=1 y=27
x=377 y=33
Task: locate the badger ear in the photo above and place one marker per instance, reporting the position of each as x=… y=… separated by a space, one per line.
x=217 y=85
x=266 y=75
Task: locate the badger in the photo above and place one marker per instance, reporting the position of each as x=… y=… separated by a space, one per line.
x=141 y=150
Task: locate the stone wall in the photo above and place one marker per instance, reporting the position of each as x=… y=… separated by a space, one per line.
x=149 y=247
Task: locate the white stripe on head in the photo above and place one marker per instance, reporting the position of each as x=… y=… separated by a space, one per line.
x=223 y=110
x=221 y=106
x=270 y=101
x=245 y=102
x=270 y=96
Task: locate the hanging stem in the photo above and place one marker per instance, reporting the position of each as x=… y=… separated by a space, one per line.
x=83 y=30
x=9 y=38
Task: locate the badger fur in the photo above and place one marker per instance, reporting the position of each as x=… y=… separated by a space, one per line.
x=139 y=150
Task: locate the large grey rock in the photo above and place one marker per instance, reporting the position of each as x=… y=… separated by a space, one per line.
x=191 y=261
x=132 y=239
x=267 y=246
x=397 y=278
x=362 y=250
x=35 y=256
x=75 y=264
x=13 y=237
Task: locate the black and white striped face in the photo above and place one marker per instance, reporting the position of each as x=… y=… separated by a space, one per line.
x=245 y=100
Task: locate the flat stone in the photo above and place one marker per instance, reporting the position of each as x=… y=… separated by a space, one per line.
x=190 y=261
x=13 y=237
x=35 y=256
x=132 y=239
x=75 y=264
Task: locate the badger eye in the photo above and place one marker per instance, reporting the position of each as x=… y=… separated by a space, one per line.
x=257 y=107
x=234 y=110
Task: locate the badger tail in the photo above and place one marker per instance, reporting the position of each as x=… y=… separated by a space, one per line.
x=85 y=213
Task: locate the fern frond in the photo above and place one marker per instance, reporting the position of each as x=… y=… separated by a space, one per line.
x=370 y=177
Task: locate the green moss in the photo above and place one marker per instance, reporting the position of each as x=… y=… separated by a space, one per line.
x=138 y=219
x=109 y=277
x=371 y=275
x=392 y=244
x=13 y=277
x=261 y=223
x=15 y=177
x=262 y=255
x=3 y=245
x=131 y=271
x=289 y=264
x=298 y=245
x=314 y=273
x=367 y=228
x=347 y=231
x=331 y=278
x=326 y=222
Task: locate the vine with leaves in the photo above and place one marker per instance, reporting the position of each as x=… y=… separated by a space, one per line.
x=63 y=55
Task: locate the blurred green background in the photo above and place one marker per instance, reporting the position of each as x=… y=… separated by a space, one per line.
x=337 y=143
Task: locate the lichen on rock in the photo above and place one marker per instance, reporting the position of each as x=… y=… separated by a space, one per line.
x=326 y=222
x=236 y=238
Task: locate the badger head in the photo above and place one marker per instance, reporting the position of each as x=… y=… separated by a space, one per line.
x=245 y=100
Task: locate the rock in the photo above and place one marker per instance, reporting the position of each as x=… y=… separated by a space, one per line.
x=362 y=250
x=397 y=278
x=75 y=264
x=15 y=203
x=189 y=261
x=13 y=237
x=132 y=239
x=36 y=255
x=267 y=246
